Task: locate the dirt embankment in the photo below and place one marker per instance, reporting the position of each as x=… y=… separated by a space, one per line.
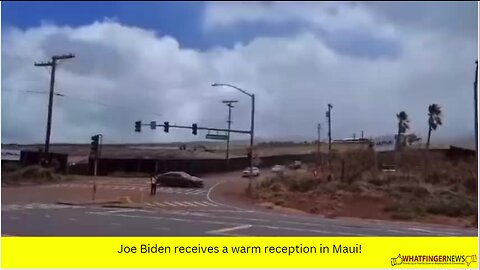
x=31 y=175
x=436 y=191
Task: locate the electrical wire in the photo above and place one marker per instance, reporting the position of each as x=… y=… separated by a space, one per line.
x=84 y=100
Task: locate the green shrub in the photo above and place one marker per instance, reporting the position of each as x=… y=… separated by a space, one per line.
x=453 y=207
x=302 y=184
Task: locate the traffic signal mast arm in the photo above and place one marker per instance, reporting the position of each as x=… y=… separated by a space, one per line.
x=199 y=128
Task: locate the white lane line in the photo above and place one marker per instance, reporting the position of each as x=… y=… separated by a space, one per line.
x=431 y=232
x=310 y=230
x=226 y=211
x=229 y=223
x=161 y=228
x=397 y=231
x=120 y=211
x=221 y=231
x=14 y=218
x=43 y=206
x=73 y=219
x=165 y=218
x=149 y=204
x=47 y=216
x=293 y=223
x=218 y=203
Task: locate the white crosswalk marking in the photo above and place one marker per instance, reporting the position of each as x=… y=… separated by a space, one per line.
x=209 y=203
x=182 y=204
x=171 y=204
x=200 y=203
x=179 y=203
x=103 y=186
x=190 y=204
x=159 y=204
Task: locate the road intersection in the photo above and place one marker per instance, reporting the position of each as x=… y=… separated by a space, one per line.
x=180 y=212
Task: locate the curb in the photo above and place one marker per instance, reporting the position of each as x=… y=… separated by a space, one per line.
x=122 y=206
x=97 y=202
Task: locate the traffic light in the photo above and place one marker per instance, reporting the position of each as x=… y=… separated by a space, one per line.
x=194 y=129
x=138 y=126
x=94 y=144
x=166 y=126
x=153 y=125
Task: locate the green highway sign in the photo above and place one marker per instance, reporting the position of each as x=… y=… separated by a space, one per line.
x=216 y=137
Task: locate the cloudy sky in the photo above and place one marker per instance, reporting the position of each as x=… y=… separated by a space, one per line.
x=157 y=61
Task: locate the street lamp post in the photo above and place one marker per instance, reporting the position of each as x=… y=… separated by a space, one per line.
x=252 y=126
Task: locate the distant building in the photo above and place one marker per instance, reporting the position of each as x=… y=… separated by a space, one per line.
x=11 y=154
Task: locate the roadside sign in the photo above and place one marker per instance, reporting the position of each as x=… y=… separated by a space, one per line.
x=384 y=143
x=216 y=137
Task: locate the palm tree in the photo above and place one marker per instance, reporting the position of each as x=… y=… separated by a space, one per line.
x=434 y=120
x=403 y=126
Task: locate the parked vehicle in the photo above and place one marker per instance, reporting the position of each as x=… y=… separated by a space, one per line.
x=278 y=169
x=295 y=165
x=178 y=179
x=255 y=172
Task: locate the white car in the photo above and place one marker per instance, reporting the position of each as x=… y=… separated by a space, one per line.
x=278 y=169
x=255 y=172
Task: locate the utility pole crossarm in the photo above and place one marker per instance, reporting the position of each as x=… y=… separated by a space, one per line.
x=63 y=56
x=44 y=64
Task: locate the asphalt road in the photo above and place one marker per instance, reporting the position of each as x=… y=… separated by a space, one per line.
x=193 y=214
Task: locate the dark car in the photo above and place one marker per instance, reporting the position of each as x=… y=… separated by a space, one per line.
x=178 y=179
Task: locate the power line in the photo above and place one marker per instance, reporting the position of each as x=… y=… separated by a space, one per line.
x=25 y=91
x=110 y=105
x=84 y=100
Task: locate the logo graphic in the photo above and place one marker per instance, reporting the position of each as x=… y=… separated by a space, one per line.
x=397 y=261
x=470 y=259
x=433 y=259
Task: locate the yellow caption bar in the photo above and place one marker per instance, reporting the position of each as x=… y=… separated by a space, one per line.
x=239 y=252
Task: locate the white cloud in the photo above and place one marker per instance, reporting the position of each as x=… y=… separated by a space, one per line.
x=293 y=78
x=328 y=16
x=382 y=18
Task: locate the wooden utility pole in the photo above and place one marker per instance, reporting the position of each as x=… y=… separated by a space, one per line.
x=319 y=128
x=329 y=116
x=53 y=63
